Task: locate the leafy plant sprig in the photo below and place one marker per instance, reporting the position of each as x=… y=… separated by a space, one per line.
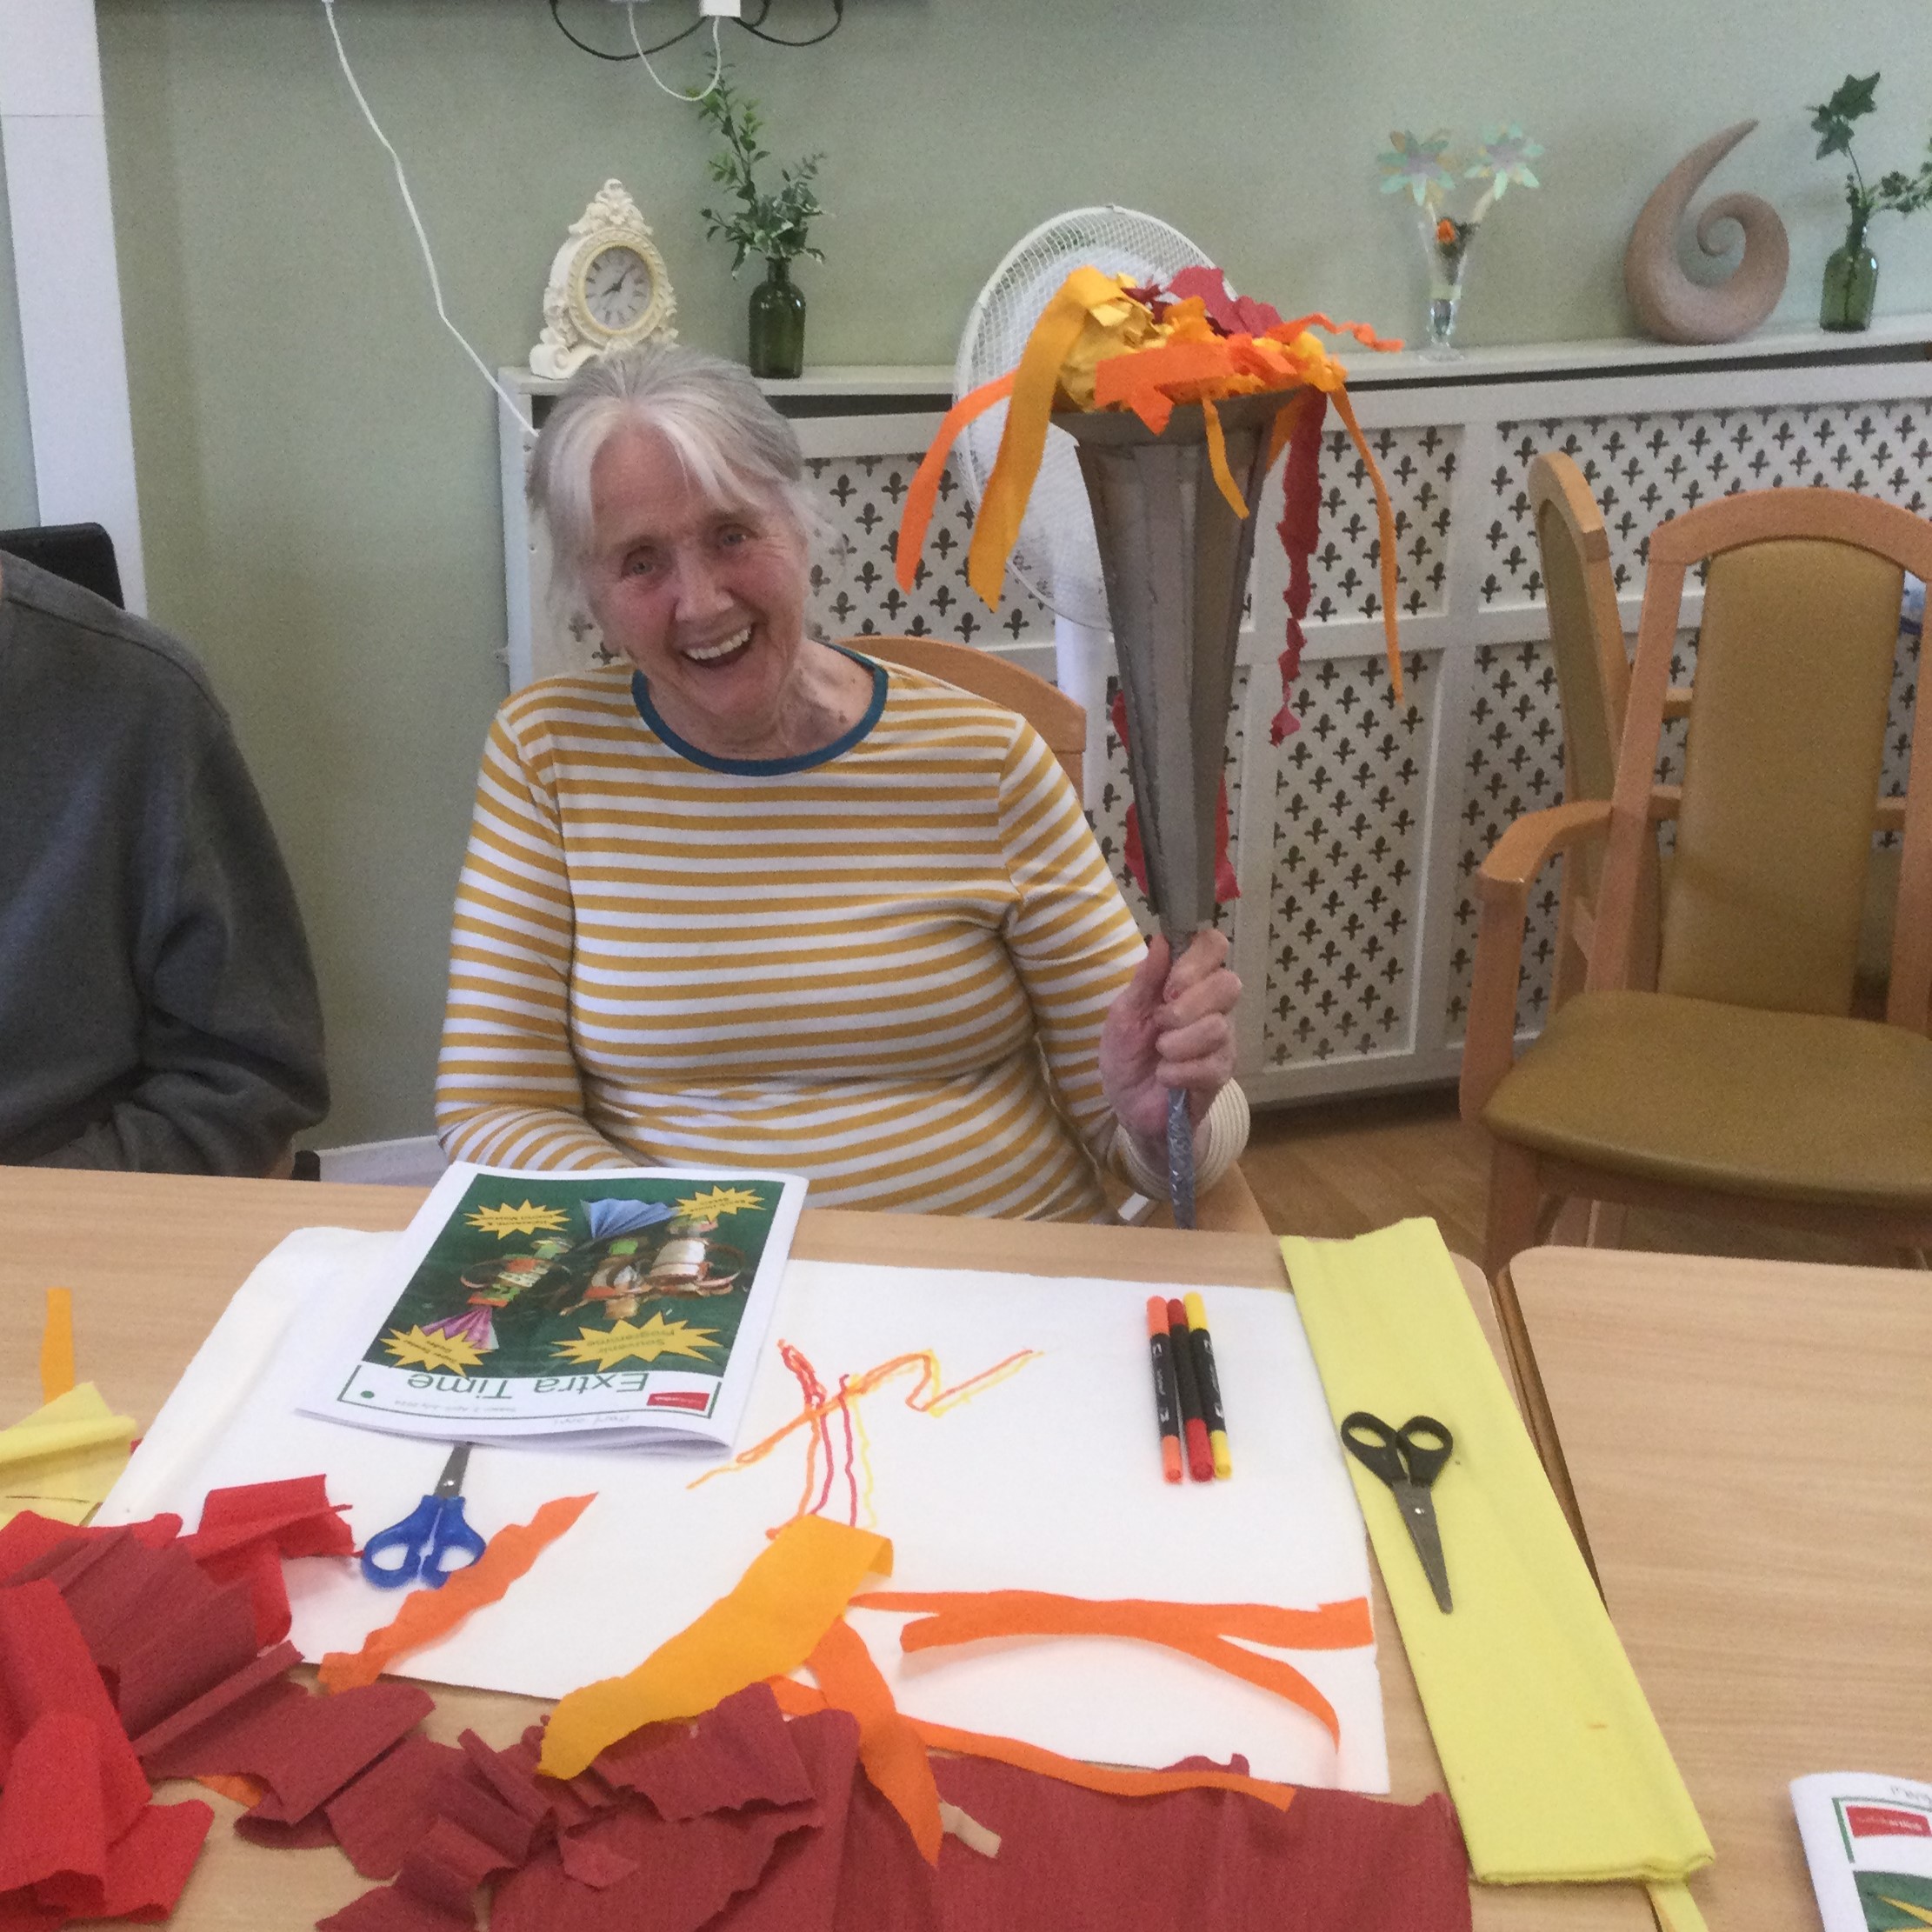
x=1831 y=120
x=776 y=225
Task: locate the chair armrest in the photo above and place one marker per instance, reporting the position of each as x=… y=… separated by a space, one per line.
x=1503 y=886
x=1890 y=816
x=1676 y=702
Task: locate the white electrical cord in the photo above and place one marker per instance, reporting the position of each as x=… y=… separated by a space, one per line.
x=677 y=94
x=509 y=401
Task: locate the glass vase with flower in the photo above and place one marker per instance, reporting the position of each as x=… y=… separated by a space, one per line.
x=1851 y=269
x=1432 y=174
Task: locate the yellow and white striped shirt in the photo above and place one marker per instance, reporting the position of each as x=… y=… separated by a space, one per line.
x=885 y=967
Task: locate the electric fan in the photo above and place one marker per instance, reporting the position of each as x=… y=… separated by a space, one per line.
x=1056 y=557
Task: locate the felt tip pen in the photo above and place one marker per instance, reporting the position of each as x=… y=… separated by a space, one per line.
x=1205 y=1373
x=1167 y=1399
x=1194 y=1427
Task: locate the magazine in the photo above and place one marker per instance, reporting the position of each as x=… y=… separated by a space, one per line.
x=1868 y=1843
x=624 y=1306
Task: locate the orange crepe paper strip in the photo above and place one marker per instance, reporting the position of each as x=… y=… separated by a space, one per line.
x=236 y=1785
x=765 y=1626
x=427 y=1615
x=1361 y=330
x=1024 y=440
x=1198 y=1630
x=1139 y=381
x=924 y=490
x=57 y=1345
x=891 y=1751
x=797 y=1700
x=1385 y=523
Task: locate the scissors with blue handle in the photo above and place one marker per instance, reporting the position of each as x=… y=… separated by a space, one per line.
x=426 y=1538
x=1409 y=1460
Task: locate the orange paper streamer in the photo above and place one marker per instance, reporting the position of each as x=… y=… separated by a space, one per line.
x=924 y=490
x=766 y=1625
x=57 y=1345
x=1217 y=461
x=234 y=1784
x=797 y=1700
x=891 y=1751
x=1199 y=1630
x=427 y=1615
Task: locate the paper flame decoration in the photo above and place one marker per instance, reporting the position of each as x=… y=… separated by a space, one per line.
x=1102 y=343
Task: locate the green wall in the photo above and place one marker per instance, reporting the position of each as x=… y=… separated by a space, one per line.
x=317 y=461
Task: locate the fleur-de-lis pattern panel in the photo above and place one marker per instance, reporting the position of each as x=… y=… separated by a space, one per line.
x=1513 y=764
x=1345 y=573
x=1350 y=792
x=854 y=592
x=1644 y=469
x=1109 y=813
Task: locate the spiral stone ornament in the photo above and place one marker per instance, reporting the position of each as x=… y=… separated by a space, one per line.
x=1669 y=304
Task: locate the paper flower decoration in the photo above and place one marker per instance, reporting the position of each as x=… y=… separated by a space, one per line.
x=1504 y=157
x=1418 y=166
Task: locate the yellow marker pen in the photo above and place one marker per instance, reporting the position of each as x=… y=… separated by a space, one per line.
x=1203 y=1347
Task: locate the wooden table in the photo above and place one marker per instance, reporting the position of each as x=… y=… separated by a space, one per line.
x=1749 y=1445
x=153 y=1259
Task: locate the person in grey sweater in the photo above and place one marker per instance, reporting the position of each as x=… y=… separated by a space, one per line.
x=157 y=1006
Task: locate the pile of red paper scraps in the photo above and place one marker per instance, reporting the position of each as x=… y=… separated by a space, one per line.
x=119 y=1650
x=134 y=1653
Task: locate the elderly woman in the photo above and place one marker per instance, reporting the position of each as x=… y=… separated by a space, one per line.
x=751 y=900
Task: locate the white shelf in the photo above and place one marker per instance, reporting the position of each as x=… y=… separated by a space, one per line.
x=1619 y=355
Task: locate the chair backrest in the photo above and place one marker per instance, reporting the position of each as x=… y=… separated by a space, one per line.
x=81 y=553
x=1787 y=720
x=1593 y=674
x=1062 y=720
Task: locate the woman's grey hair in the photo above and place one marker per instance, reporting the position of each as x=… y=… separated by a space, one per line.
x=734 y=446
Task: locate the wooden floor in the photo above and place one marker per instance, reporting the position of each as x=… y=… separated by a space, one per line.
x=1346 y=1167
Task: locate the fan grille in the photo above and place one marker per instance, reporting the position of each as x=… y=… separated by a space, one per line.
x=1056 y=557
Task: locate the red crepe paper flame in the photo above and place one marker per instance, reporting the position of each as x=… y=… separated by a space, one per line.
x=1232 y=315
x=1300 y=529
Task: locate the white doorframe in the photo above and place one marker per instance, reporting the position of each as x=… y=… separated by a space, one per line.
x=54 y=132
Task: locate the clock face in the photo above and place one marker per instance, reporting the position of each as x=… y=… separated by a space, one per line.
x=617 y=289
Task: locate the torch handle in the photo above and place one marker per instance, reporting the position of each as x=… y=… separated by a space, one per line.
x=1180 y=1158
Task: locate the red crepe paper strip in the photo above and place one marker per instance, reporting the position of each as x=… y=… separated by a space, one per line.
x=1199 y=1630
x=1069 y=1856
x=391 y=1805
x=1300 y=529
x=246 y=1531
x=427 y=1615
x=741 y=1753
x=893 y=1753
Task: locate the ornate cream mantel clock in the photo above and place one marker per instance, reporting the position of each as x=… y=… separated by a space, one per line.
x=608 y=288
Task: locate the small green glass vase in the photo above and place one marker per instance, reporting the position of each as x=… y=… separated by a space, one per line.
x=1851 y=282
x=777 y=323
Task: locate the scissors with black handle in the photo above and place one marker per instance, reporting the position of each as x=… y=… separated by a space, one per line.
x=425 y=1539
x=1409 y=1460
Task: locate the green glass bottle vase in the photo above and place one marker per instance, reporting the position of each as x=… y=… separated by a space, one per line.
x=777 y=323
x=1851 y=282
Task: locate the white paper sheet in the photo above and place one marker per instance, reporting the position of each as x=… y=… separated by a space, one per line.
x=1048 y=1479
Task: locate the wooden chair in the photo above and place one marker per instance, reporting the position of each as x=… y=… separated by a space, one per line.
x=1740 y=1087
x=1593 y=682
x=1229 y=1205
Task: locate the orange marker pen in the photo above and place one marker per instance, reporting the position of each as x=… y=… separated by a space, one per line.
x=1167 y=1395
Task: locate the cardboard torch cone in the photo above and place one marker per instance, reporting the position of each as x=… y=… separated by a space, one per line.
x=1174 y=558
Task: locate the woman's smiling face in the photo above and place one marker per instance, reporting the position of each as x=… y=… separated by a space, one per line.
x=706 y=599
